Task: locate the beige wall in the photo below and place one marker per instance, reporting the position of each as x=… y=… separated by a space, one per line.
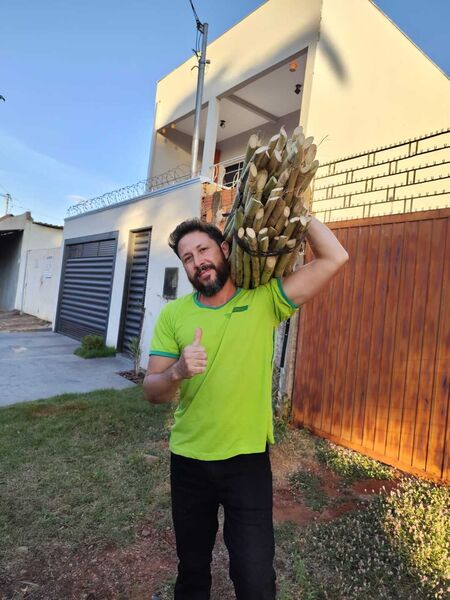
x=376 y=88
x=383 y=90
x=267 y=36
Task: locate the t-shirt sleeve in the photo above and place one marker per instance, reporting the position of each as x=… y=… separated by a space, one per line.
x=163 y=341
x=283 y=307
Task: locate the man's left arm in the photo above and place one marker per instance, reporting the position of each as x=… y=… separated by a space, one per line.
x=329 y=257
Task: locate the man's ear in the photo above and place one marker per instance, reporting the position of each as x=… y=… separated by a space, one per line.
x=225 y=249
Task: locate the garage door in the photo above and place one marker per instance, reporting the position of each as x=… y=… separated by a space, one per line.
x=85 y=292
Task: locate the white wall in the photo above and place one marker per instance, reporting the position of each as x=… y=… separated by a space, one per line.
x=40 y=291
x=272 y=33
x=35 y=237
x=162 y=211
x=371 y=85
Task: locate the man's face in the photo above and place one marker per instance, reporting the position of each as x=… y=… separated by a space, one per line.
x=204 y=262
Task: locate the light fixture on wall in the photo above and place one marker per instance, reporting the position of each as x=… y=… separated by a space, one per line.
x=298 y=88
x=163 y=131
x=222 y=123
x=173 y=126
x=293 y=66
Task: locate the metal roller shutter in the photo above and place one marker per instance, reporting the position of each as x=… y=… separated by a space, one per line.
x=133 y=310
x=86 y=284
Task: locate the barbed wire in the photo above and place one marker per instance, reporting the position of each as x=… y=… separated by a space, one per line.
x=146 y=186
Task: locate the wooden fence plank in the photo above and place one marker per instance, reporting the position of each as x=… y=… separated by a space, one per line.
x=376 y=344
x=321 y=364
x=440 y=281
x=415 y=347
x=365 y=334
x=402 y=332
x=344 y=333
x=355 y=325
x=427 y=363
x=387 y=356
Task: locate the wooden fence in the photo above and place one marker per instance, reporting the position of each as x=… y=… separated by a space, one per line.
x=373 y=352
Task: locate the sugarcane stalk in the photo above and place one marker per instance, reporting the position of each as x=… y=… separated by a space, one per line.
x=280 y=224
x=263 y=245
x=284 y=177
x=250 y=184
x=268 y=209
x=253 y=245
x=279 y=208
x=271 y=232
x=250 y=210
x=279 y=242
x=281 y=265
x=281 y=143
x=252 y=145
x=262 y=233
x=270 y=185
x=269 y=266
x=239 y=217
x=239 y=257
x=291 y=226
x=257 y=221
x=275 y=161
x=261 y=158
x=273 y=143
x=261 y=180
x=310 y=153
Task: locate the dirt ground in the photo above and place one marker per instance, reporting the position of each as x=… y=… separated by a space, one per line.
x=13 y=320
x=143 y=568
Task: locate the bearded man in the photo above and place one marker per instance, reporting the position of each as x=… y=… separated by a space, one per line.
x=216 y=347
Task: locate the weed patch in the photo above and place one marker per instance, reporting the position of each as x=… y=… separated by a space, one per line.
x=350 y=465
x=307 y=486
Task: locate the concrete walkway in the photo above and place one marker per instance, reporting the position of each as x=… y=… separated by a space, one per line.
x=40 y=364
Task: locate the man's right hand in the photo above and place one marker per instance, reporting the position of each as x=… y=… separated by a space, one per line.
x=193 y=359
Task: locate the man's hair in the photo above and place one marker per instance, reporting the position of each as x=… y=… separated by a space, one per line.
x=191 y=225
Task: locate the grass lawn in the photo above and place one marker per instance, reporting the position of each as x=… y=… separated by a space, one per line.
x=85 y=511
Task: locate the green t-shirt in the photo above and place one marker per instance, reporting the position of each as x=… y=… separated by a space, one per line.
x=227 y=410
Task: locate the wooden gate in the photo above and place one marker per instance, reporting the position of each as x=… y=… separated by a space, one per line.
x=373 y=352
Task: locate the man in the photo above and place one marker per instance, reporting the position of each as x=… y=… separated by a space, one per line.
x=216 y=347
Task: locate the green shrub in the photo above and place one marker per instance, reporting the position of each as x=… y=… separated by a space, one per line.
x=93 y=346
x=350 y=465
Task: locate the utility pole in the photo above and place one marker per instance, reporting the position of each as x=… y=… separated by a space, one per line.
x=7 y=198
x=202 y=62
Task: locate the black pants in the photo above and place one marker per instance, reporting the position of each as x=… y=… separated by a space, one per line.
x=243 y=485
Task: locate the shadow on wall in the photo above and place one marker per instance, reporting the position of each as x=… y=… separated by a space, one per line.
x=218 y=81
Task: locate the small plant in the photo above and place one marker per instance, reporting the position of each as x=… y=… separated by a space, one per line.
x=93 y=346
x=307 y=486
x=134 y=348
x=350 y=465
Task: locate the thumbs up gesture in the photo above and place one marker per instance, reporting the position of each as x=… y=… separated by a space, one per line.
x=193 y=358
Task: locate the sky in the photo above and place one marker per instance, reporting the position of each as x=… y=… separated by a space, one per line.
x=79 y=79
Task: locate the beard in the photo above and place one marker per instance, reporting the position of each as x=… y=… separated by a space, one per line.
x=208 y=289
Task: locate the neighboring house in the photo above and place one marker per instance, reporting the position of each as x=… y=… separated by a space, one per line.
x=30 y=254
x=340 y=68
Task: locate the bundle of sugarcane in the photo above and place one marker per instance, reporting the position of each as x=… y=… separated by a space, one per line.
x=269 y=218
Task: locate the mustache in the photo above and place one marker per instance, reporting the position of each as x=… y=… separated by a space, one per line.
x=200 y=270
